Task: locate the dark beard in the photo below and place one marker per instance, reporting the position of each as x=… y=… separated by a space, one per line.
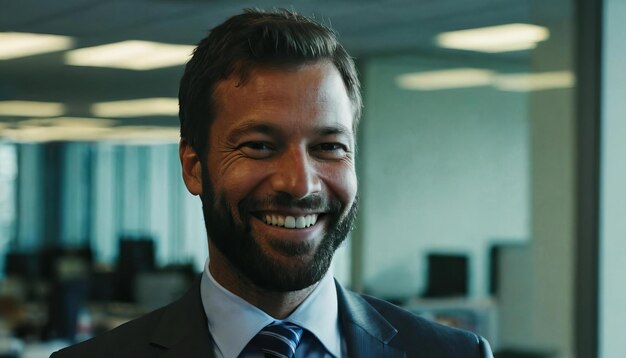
x=235 y=241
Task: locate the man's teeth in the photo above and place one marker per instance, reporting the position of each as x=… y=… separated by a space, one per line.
x=290 y=222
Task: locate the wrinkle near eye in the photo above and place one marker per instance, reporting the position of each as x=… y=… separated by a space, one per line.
x=223 y=148
x=348 y=160
x=230 y=159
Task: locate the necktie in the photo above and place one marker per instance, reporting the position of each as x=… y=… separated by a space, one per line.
x=278 y=340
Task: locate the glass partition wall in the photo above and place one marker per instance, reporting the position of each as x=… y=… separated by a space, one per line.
x=612 y=296
x=445 y=188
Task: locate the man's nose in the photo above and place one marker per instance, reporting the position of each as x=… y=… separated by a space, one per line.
x=296 y=174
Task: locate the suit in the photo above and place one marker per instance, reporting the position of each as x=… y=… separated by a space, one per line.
x=371 y=327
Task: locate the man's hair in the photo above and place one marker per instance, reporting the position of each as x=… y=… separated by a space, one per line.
x=255 y=39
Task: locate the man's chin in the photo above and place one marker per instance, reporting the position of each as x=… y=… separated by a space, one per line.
x=288 y=251
x=295 y=259
x=287 y=269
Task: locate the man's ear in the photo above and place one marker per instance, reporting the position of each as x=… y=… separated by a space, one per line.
x=192 y=170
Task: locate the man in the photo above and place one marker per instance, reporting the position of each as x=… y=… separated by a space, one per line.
x=269 y=105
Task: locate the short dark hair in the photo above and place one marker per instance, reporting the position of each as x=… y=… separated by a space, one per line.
x=279 y=38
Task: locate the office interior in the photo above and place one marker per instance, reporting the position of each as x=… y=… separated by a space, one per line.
x=490 y=168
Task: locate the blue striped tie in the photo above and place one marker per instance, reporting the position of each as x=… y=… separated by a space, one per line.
x=278 y=340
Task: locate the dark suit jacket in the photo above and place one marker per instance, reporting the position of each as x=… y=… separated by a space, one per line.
x=371 y=327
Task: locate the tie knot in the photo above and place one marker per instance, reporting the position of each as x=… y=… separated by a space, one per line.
x=278 y=339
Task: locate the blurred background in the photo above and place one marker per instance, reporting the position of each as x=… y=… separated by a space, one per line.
x=491 y=166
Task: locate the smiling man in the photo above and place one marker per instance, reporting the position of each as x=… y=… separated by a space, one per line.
x=279 y=185
x=269 y=106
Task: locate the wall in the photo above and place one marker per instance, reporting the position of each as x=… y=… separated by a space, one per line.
x=613 y=185
x=553 y=193
x=441 y=171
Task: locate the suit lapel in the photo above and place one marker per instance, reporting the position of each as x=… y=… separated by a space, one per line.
x=183 y=331
x=366 y=331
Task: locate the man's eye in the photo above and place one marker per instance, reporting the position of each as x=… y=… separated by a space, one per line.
x=331 y=150
x=332 y=147
x=257 y=145
x=257 y=150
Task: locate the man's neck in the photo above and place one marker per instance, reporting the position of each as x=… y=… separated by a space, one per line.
x=276 y=304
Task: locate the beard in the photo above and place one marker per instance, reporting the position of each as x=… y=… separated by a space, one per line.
x=231 y=234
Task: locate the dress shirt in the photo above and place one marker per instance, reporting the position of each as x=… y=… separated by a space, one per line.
x=233 y=322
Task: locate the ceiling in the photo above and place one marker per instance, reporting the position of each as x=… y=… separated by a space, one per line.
x=365 y=27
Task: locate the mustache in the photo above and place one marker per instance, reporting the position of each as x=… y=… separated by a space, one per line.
x=284 y=201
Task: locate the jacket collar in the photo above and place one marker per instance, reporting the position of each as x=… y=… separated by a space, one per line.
x=183 y=330
x=366 y=331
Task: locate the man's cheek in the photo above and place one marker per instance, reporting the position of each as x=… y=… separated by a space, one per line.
x=345 y=187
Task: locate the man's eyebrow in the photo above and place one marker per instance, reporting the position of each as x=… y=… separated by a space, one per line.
x=333 y=130
x=248 y=128
x=272 y=130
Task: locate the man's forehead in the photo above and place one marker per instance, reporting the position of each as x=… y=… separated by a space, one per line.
x=307 y=84
x=260 y=74
x=242 y=71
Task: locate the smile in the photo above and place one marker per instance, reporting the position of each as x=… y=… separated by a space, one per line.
x=290 y=222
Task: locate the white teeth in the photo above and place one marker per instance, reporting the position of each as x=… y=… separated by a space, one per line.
x=290 y=222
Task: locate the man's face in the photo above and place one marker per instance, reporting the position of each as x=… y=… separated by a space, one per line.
x=279 y=185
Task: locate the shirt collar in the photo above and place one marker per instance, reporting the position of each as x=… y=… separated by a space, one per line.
x=319 y=315
x=233 y=322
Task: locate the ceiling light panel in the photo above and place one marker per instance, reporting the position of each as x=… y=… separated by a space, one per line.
x=55 y=133
x=132 y=55
x=502 y=38
x=525 y=82
x=445 y=79
x=145 y=134
x=67 y=122
x=136 y=108
x=31 y=109
x=20 y=44
x=135 y=134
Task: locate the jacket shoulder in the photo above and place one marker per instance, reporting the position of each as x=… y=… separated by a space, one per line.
x=130 y=339
x=422 y=335
x=180 y=328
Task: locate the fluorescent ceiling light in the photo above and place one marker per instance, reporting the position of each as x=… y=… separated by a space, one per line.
x=502 y=38
x=468 y=77
x=21 y=44
x=87 y=129
x=55 y=133
x=67 y=122
x=132 y=55
x=524 y=82
x=445 y=79
x=145 y=134
x=31 y=109
x=60 y=128
x=136 y=108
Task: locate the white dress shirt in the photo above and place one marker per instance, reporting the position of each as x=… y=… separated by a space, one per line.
x=233 y=322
